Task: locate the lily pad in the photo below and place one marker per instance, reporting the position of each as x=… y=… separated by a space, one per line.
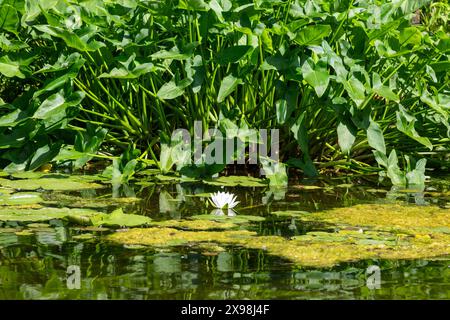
x=239 y=219
x=43 y=214
x=233 y=181
x=194 y=224
x=118 y=218
x=20 y=198
x=81 y=202
x=57 y=184
x=167 y=178
x=84 y=236
x=289 y=213
x=4 y=191
x=36 y=175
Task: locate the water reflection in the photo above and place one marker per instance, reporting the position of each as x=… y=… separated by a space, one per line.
x=39 y=272
x=34 y=261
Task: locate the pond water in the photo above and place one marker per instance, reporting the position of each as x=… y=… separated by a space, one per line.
x=57 y=258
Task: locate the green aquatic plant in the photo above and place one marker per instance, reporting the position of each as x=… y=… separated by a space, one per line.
x=345 y=82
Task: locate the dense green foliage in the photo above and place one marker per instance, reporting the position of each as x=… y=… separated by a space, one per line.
x=357 y=85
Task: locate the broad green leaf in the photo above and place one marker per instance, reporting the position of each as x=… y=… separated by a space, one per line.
x=228 y=85
x=394 y=173
x=416 y=177
x=317 y=75
x=312 y=35
x=123 y=73
x=10 y=68
x=70 y=38
x=375 y=137
x=12 y=118
x=232 y=54
x=346 y=136
x=44 y=155
x=410 y=35
x=355 y=90
x=405 y=123
x=9 y=18
x=172 y=89
x=195 y=5
x=175 y=53
x=56 y=103
x=287 y=104
x=382 y=90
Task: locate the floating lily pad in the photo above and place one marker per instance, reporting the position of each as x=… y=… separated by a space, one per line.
x=48 y=184
x=43 y=214
x=200 y=195
x=4 y=191
x=289 y=213
x=37 y=175
x=81 y=202
x=233 y=219
x=38 y=225
x=148 y=172
x=233 y=181
x=118 y=218
x=167 y=178
x=306 y=187
x=194 y=224
x=20 y=198
x=24 y=233
x=84 y=236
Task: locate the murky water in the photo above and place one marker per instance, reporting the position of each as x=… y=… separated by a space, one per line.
x=58 y=260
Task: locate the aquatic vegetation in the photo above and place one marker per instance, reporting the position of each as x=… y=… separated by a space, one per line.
x=99 y=202
x=194 y=224
x=120 y=219
x=289 y=213
x=44 y=214
x=239 y=219
x=403 y=218
x=172 y=237
x=370 y=231
x=233 y=181
x=20 y=198
x=55 y=184
x=223 y=200
x=317 y=250
x=76 y=90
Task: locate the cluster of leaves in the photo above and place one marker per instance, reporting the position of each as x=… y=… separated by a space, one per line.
x=346 y=82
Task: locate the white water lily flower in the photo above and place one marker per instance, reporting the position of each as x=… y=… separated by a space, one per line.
x=223 y=200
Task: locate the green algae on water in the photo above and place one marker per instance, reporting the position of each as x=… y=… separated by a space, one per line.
x=194 y=224
x=422 y=233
